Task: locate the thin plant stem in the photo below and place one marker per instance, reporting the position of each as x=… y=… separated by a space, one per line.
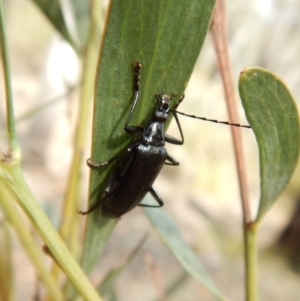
x=219 y=35
x=11 y=177
x=218 y=31
x=29 y=245
x=68 y=229
x=7 y=292
x=250 y=237
x=70 y=216
x=40 y=108
x=14 y=149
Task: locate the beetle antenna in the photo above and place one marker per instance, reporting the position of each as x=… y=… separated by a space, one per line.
x=213 y=120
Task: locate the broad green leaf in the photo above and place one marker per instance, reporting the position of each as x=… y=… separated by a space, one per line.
x=273 y=115
x=168 y=232
x=52 y=10
x=166 y=36
x=97 y=234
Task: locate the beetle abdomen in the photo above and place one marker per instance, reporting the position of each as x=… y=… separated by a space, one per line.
x=133 y=179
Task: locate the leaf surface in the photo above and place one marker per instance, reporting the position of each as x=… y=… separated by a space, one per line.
x=273 y=115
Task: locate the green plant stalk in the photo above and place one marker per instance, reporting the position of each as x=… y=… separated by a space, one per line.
x=250 y=236
x=70 y=216
x=11 y=176
x=70 y=219
x=30 y=246
x=41 y=107
x=12 y=135
x=6 y=267
x=220 y=39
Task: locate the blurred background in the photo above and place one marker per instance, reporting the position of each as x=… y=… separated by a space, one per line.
x=202 y=193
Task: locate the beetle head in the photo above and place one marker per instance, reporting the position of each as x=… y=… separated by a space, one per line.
x=163 y=106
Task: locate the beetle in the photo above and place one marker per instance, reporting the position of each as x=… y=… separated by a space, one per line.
x=143 y=159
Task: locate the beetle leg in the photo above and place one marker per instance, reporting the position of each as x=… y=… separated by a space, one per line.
x=178 y=102
x=105 y=194
x=136 y=83
x=99 y=165
x=172 y=161
x=156 y=197
x=171 y=139
x=133 y=129
x=97 y=204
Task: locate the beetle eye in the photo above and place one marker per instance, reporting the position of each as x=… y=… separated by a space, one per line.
x=158 y=114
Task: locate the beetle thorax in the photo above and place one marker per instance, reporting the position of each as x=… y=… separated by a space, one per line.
x=154 y=134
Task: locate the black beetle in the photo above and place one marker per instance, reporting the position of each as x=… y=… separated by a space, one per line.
x=143 y=159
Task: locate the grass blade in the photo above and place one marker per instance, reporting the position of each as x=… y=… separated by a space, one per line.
x=168 y=232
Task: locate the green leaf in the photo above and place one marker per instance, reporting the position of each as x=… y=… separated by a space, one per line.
x=97 y=233
x=168 y=232
x=53 y=12
x=82 y=19
x=273 y=115
x=166 y=36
